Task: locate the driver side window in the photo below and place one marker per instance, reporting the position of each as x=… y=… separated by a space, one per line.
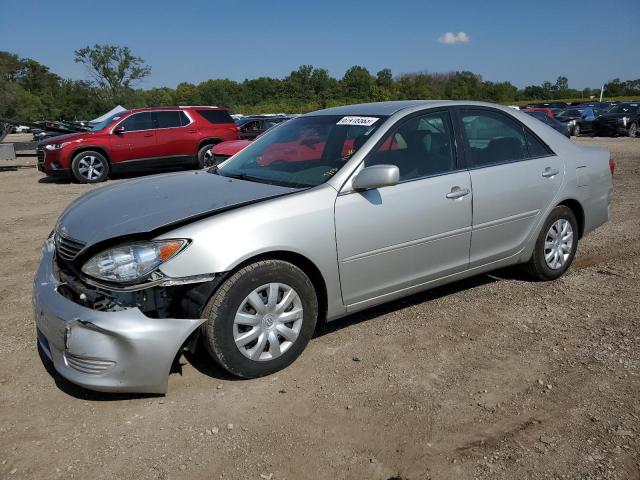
x=138 y=121
x=420 y=147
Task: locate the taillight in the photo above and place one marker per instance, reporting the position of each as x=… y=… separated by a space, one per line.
x=612 y=165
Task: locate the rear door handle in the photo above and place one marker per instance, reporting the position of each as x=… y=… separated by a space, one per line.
x=457 y=192
x=550 y=172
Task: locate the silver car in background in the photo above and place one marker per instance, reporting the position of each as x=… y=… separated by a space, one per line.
x=330 y=213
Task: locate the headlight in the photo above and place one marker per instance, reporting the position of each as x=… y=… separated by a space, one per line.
x=132 y=261
x=625 y=120
x=572 y=123
x=56 y=146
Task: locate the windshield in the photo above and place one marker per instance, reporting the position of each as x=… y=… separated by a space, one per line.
x=624 y=108
x=107 y=121
x=303 y=152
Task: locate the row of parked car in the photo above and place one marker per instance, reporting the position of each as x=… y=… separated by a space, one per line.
x=202 y=136
x=597 y=118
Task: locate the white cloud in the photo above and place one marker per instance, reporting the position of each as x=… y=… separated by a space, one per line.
x=451 y=38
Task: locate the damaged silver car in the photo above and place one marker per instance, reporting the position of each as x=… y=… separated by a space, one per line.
x=330 y=213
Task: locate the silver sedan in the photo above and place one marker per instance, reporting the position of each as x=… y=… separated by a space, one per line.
x=332 y=212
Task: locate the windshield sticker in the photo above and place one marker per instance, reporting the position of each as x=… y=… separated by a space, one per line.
x=360 y=121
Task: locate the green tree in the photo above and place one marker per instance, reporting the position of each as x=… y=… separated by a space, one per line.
x=357 y=83
x=114 y=69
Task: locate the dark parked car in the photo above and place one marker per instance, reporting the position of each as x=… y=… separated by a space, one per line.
x=621 y=119
x=548 y=105
x=561 y=127
x=579 y=120
x=251 y=127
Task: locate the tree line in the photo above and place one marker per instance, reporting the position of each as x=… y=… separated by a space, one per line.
x=29 y=91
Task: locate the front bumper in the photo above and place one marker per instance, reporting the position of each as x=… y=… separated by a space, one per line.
x=120 y=351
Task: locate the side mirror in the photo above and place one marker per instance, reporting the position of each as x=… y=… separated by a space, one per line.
x=119 y=130
x=376 y=176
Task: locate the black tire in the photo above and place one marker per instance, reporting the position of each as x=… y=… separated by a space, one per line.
x=537 y=266
x=99 y=167
x=223 y=305
x=202 y=161
x=633 y=130
x=576 y=130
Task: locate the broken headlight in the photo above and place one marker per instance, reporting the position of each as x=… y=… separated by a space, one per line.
x=132 y=261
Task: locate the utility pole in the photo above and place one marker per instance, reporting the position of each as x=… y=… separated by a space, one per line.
x=602 y=91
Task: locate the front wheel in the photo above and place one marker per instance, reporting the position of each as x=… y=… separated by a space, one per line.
x=576 y=130
x=556 y=245
x=633 y=130
x=90 y=167
x=261 y=318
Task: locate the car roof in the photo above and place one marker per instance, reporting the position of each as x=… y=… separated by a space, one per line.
x=176 y=107
x=389 y=108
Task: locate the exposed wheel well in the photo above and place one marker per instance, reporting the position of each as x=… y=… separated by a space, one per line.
x=92 y=149
x=578 y=211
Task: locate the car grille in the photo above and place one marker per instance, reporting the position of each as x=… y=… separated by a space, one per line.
x=609 y=122
x=40 y=154
x=92 y=366
x=66 y=248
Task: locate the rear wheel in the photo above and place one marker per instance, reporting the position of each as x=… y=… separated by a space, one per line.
x=90 y=167
x=261 y=318
x=633 y=129
x=556 y=245
x=205 y=160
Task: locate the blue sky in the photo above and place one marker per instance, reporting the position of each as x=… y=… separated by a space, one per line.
x=523 y=41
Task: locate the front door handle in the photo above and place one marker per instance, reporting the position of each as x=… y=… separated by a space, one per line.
x=550 y=172
x=148 y=134
x=457 y=192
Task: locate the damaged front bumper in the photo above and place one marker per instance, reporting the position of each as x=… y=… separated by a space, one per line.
x=115 y=351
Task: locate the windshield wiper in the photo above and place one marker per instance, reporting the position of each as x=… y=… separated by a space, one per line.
x=242 y=176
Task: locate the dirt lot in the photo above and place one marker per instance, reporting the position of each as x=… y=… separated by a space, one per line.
x=494 y=377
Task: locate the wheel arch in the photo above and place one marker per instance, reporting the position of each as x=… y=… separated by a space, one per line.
x=89 y=148
x=303 y=263
x=207 y=141
x=577 y=210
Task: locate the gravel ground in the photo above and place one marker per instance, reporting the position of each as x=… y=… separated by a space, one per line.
x=494 y=377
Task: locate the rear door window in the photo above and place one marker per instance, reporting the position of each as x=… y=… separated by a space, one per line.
x=216 y=116
x=184 y=120
x=166 y=119
x=493 y=138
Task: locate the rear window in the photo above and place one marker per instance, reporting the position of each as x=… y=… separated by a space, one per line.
x=216 y=116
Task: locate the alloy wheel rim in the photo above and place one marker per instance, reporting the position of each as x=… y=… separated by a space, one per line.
x=558 y=244
x=268 y=322
x=90 y=167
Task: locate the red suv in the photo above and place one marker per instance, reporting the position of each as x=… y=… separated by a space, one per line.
x=137 y=139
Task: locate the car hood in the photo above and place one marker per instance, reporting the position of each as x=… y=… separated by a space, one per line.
x=147 y=204
x=64 y=137
x=230 y=148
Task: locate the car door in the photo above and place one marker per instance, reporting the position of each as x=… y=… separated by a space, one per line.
x=394 y=238
x=174 y=141
x=515 y=179
x=136 y=142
